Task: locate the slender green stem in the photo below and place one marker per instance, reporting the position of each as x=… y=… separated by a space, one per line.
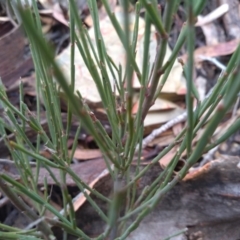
x=22 y=206
x=189 y=74
x=230 y=131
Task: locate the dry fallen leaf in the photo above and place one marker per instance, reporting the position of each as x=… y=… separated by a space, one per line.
x=80 y=198
x=163 y=140
x=84 y=82
x=166 y=159
x=154 y=118
x=221 y=49
x=87 y=154
x=89 y=171
x=58 y=14
x=159 y=105
x=84 y=170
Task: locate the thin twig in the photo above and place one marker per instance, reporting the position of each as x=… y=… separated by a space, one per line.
x=155 y=133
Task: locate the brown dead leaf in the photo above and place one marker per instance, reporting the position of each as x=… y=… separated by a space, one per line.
x=208 y=171
x=165 y=160
x=163 y=140
x=54 y=11
x=80 y=198
x=89 y=171
x=85 y=84
x=57 y=13
x=159 y=105
x=86 y=154
x=84 y=170
x=177 y=129
x=154 y=118
x=175 y=82
x=13 y=64
x=221 y=49
x=29 y=85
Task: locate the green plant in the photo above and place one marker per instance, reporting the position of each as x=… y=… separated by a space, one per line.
x=127 y=130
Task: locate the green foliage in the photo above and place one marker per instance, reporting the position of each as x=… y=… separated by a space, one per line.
x=127 y=130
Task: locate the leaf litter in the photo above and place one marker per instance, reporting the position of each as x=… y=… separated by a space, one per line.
x=165 y=109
